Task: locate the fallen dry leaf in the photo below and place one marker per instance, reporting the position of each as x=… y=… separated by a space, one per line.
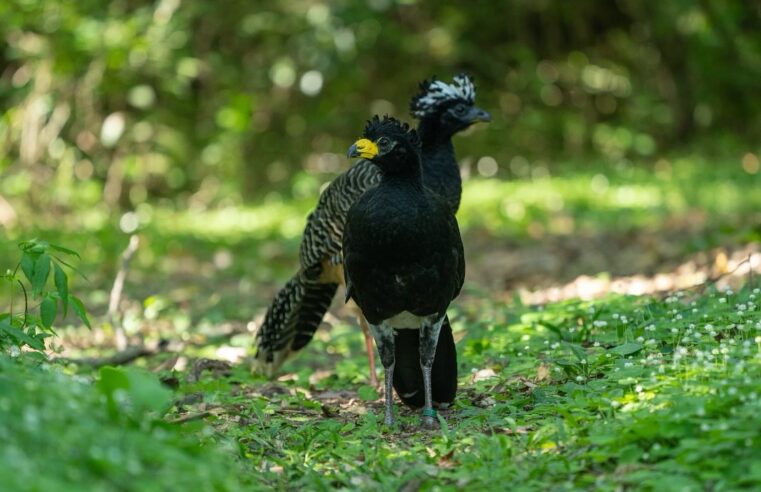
x=542 y=373
x=483 y=375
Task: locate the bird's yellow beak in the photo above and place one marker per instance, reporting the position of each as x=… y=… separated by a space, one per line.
x=363 y=148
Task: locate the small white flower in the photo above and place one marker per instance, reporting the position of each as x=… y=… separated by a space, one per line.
x=722 y=300
x=596 y=344
x=600 y=323
x=579 y=378
x=615 y=403
x=675 y=330
x=640 y=339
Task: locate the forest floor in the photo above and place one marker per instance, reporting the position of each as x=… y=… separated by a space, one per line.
x=609 y=336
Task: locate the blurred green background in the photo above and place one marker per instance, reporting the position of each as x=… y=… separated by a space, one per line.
x=210 y=127
x=623 y=156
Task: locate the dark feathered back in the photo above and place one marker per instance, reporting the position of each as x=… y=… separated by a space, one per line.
x=436 y=94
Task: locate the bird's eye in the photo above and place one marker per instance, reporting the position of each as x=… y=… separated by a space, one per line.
x=383 y=142
x=460 y=109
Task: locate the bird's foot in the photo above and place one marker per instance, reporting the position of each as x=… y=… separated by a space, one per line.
x=389 y=420
x=428 y=421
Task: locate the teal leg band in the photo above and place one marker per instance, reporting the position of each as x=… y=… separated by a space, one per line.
x=429 y=412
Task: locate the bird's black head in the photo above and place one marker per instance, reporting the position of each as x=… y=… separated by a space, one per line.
x=390 y=144
x=449 y=107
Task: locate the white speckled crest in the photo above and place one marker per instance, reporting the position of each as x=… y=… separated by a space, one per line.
x=434 y=93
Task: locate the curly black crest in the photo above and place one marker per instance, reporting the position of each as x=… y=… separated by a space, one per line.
x=436 y=94
x=392 y=128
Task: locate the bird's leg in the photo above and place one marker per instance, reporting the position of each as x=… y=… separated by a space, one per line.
x=384 y=339
x=429 y=337
x=370 y=349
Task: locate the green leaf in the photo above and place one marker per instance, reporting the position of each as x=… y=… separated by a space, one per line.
x=578 y=351
x=65 y=250
x=144 y=390
x=110 y=380
x=553 y=328
x=41 y=272
x=367 y=393
x=48 y=311
x=79 y=310
x=62 y=285
x=65 y=263
x=627 y=348
x=34 y=246
x=27 y=266
x=147 y=392
x=21 y=337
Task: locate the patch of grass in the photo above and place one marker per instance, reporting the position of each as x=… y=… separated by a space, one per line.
x=639 y=392
x=65 y=433
x=692 y=191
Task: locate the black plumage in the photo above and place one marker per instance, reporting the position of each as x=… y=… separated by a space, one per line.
x=403 y=256
x=443 y=110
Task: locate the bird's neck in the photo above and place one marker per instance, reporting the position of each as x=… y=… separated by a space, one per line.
x=432 y=133
x=409 y=175
x=438 y=150
x=440 y=169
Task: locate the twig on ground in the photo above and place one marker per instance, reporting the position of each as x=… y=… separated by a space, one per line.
x=711 y=281
x=119 y=358
x=112 y=316
x=189 y=417
x=750 y=270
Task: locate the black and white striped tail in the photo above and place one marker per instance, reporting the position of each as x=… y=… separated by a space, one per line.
x=291 y=321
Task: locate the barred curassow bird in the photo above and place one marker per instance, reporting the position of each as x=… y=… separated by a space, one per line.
x=297 y=310
x=403 y=256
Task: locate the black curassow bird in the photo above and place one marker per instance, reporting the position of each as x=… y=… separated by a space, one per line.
x=297 y=310
x=403 y=256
